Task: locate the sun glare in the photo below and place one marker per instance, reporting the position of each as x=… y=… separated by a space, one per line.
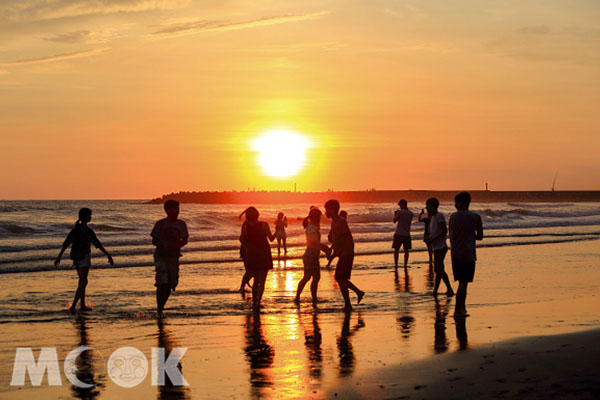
x=281 y=153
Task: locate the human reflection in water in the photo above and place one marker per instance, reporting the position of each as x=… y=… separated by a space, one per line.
x=168 y=390
x=312 y=342
x=441 y=312
x=461 y=333
x=405 y=319
x=260 y=355
x=346 y=352
x=85 y=366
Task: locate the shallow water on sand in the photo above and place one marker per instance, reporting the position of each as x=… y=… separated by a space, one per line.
x=289 y=351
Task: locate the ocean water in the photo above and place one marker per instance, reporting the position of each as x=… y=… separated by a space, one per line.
x=31 y=232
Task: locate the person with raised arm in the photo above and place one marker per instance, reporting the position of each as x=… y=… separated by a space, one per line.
x=80 y=239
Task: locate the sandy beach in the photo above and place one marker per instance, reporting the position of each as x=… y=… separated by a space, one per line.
x=519 y=335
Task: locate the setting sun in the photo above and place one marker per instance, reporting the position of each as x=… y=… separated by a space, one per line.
x=281 y=153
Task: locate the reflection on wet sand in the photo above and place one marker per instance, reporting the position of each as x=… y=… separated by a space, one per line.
x=345 y=350
x=461 y=333
x=168 y=390
x=259 y=354
x=86 y=365
x=312 y=341
x=405 y=319
x=404 y=286
x=441 y=312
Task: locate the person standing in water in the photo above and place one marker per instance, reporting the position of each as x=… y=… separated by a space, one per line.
x=280 y=224
x=403 y=217
x=424 y=218
x=343 y=245
x=255 y=239
x=437 y=238
x=465 y=228
x=310 y=259
x=80 y=239
x=169 y=235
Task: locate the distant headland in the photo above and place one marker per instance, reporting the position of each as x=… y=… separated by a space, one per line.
x=377 y=196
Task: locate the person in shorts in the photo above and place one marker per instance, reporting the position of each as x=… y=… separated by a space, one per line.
x=437 y=238
x=310 y=259
x=280 y=224
x=465 y=229
x=169 y=235
x=403 y=219
x=80 y=239
x=343 y=246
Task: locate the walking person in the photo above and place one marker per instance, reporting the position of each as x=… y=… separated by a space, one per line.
x=310 y=259
x=403 y=219
x=80 y=239
x=169 y=235
x=465 y=229
x=343 y=245
x=437 y=238
x=255 y=239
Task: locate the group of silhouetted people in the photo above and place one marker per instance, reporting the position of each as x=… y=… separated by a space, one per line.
x=255 y=251
x=464 y=229
x=170 y=234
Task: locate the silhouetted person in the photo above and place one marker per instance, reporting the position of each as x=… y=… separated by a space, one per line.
x=465 y=229
x=343 y=246
x=169 y=235
x=80 y=239
x=310 y=259
x=343 y=214
x=403 y=218
x=255 y=241
x=280 y=225
x=437 y=238
x=424 y=218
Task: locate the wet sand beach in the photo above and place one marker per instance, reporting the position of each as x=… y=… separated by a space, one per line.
x=399 y=337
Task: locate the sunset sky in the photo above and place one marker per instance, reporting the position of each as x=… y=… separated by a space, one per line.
x=136 y=98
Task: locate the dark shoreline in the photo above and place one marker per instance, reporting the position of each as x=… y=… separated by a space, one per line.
x=379 y=196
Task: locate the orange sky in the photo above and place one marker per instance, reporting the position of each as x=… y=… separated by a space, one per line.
x=136 y=98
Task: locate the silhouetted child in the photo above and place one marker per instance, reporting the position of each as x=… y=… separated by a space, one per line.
x=343 y=245
x=403 y=217
x=169 y=235
x=280 y=225
x=255 y=239
x=465 y=229
x=437 y=238
x=424 y=218
x=310 y=259
x=343 y=214
x=80 y=239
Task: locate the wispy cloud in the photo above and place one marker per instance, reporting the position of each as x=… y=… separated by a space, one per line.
x=197 y=26
x=70 y=37
x=81 y=36
x=35 y=10
x=55 y=57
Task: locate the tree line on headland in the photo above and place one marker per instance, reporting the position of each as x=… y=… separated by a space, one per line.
x=376 y=196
